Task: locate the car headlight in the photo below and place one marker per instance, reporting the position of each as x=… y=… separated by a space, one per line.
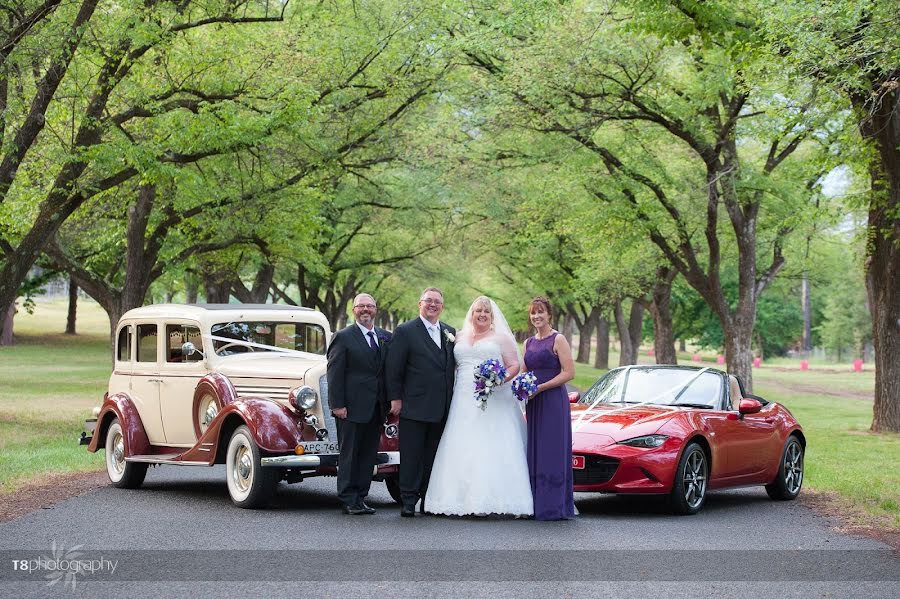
x=645 y=441
x=303 y=398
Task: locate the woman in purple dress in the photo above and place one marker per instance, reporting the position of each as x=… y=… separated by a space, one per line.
x=548 y=355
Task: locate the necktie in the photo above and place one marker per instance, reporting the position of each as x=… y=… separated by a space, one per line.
x=435 y=335
x=372 y=343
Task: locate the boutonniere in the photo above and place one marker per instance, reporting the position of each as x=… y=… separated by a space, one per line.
x=383 y=338
x=449 y=336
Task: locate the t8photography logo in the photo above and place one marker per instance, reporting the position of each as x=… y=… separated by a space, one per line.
x=65 y=565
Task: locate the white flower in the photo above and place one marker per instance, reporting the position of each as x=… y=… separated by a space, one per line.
x=450 y=336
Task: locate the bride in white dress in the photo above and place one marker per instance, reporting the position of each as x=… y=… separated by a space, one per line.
x=480 y=467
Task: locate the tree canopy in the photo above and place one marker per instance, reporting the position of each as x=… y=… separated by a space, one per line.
x=666 y=159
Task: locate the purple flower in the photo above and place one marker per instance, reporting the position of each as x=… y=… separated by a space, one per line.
x=524 y=386
x=488 y=374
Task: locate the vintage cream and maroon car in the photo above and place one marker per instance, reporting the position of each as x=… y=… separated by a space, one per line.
x=235 y=384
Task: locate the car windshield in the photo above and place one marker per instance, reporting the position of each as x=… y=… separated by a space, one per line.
x=659 y=386
x=231 y=338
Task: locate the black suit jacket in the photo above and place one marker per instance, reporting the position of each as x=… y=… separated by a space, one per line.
x=356 y=373
x=420 y=373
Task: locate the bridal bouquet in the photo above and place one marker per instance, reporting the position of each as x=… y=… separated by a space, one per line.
x=488 y=374
x=524 y=386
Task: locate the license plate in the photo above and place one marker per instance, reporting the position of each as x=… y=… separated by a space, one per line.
x=320 y=447
x=578 y=462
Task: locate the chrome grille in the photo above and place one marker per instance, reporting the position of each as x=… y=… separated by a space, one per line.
x=330 y=424
x=276 y=392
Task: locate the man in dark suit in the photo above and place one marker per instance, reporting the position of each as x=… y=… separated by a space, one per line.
x=356 y=393
x=420 y=373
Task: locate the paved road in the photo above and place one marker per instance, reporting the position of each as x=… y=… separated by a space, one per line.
x=179 y=536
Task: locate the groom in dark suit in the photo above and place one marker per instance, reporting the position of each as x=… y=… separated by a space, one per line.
x=420 y=372
x=357 y=397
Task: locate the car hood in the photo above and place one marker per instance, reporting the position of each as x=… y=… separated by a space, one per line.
x=267 y=366
x=620 y=423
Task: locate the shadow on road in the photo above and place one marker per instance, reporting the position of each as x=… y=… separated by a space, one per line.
x=306 y=496
x=637 y=505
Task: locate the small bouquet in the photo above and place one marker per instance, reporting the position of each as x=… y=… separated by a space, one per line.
x=488 y=375
x=524 y=386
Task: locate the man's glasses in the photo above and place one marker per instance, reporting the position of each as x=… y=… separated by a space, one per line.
x=369 y=306
x=431 y=302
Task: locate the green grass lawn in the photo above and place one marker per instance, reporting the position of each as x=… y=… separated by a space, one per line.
x=51 y=381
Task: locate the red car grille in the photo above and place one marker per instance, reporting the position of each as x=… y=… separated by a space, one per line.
x=597 y=469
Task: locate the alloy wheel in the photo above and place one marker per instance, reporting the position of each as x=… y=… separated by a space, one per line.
x=694 y=479
x=793 y=468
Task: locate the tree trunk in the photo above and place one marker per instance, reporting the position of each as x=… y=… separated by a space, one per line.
x=635 y=329
x=191 y=288
x=6 y=335
x=882 y=126
x=215 y=289
x=568 y=327
x=625 y=345
x=738 y=356
x=660 y=308
x=682 y=345
x=585 y=332
x=259 y=292
x=586 y=325
x=73 y=306
x=806 y=338
x=114 y=313
x=601 y=356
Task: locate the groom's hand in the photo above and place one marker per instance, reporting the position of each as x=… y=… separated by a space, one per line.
x=339 y=413
x=396 y=404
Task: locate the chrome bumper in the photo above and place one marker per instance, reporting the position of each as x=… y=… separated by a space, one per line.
x=314 y=461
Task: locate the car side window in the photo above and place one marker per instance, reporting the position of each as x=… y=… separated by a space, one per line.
x=176 y=336
x=146 y=342
x=123 y=350
x=301 y=336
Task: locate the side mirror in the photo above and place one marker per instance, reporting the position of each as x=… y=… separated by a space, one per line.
x=749 y=406
x=188 y=349
x=574 y=396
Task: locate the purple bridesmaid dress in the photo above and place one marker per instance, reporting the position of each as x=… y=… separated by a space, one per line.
x=549 y=436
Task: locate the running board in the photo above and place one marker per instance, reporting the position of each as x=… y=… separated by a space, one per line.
x=163 y=459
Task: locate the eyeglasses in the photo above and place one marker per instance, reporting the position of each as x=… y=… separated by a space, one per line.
x=369 y=306
x=431 y=302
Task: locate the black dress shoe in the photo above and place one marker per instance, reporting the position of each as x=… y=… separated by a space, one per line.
x=408 y=511
x=366 y=509
x=354 y=510
x=422 y=507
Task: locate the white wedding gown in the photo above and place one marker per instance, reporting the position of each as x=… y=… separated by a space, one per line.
x=480 y=467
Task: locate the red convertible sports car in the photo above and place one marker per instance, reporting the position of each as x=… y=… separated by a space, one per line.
x=681 y=431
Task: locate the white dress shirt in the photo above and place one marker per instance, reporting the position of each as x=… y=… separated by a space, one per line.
x=434 y=331
x=366 y=332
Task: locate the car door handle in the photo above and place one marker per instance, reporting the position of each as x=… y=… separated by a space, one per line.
x=154 y=380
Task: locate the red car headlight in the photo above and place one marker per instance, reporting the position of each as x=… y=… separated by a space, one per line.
x=645 y=441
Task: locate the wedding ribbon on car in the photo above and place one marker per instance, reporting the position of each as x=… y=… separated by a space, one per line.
x=233 y=341
x=579 y=423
